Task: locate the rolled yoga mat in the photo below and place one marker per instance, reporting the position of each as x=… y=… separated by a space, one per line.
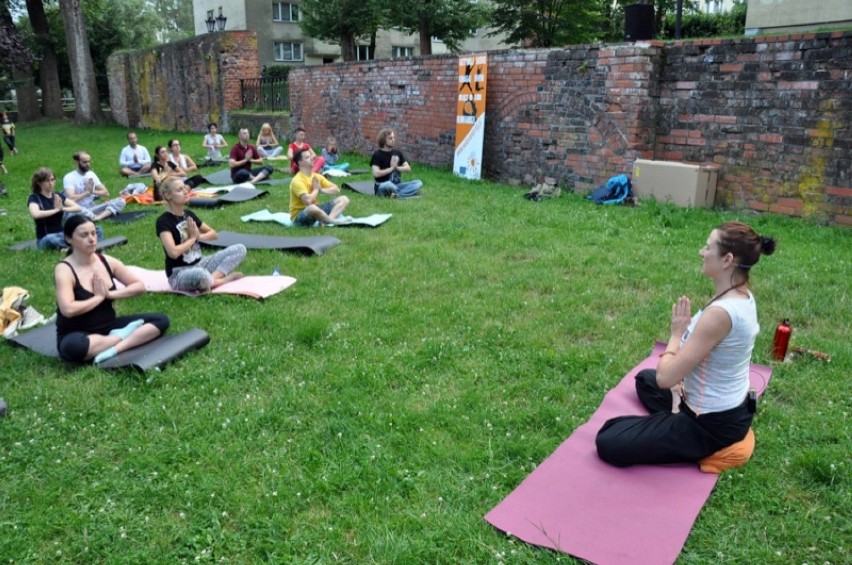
x=577 y=504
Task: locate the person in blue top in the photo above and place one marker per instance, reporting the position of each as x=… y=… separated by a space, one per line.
x=697 y=396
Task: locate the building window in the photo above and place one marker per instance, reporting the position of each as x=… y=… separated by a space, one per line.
x=402 y=52
x=714 y=6
x=285 y=51
x=285 y=12
x=365 y=53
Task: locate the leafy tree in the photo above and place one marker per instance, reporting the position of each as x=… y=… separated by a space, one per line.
x=48 y=65
x=18 y=60
x=451 y=21
x=548 y=23
x=662 y=8
x=340 y=21
x=708 y=25
x=175 y=19
x=110 y=25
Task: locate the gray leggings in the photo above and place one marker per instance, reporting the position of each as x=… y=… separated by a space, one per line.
x=200 y=275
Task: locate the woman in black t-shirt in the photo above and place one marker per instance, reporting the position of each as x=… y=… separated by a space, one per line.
x=180 y=232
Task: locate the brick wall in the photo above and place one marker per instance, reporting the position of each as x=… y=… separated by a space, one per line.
x=182 y=85
x=772 y=112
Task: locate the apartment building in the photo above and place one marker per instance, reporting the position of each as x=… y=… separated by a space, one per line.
x=280 y=40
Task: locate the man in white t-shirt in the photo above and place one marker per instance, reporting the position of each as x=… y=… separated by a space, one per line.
x=83 y=186
x=134 y=158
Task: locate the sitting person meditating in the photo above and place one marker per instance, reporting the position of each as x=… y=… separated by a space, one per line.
x=387 y=164
x=47 y=208
x=243 y=156
x=332 y=156
x=86 y=324
x=267 y=144
x=134 y=158
x=298 y=144
x=83 y=186
x=180 y=232
x=305 y=188
x=166 y=164
x=697 y=396
x=214 y=142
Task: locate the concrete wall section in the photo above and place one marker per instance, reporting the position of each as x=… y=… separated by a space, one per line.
x=182 y=85
x=773 y=16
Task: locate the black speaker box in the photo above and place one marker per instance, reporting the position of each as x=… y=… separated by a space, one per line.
x=639 y=22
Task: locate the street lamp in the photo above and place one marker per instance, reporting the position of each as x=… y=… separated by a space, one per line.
x=220 y=20
x=210 y=21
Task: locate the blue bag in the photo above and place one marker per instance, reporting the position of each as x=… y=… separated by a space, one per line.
x=614 y=191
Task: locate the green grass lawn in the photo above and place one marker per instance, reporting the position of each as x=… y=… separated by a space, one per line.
x=413 y=376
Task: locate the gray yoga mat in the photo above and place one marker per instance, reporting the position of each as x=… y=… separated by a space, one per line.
x=239 y=194
x=223 y=178
x=105 y=243
x=316 y=245
x=151 y=355
x=132 y=216
x=366 y=187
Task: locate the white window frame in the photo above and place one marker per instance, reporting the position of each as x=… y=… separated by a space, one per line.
x=278 y=49
x=368 y=50
x=402 y=52
x=284 y=12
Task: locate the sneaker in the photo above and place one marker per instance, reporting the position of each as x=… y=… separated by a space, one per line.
x=3 y=191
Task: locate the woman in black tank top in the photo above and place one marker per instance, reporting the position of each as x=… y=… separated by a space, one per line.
x=86 y=324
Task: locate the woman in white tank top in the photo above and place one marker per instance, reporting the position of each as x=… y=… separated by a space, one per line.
x=697 y=395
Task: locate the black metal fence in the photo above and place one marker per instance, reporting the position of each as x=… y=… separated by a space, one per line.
x=265 y=93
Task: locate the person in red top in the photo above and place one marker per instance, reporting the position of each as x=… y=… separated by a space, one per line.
x=243 y=155
x=300 y=144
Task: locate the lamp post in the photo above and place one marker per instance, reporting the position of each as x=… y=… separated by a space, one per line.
x=210 y=21
x=221 y=20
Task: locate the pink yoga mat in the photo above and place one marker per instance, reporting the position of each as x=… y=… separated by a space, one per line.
x=577 y=504
x=253 y=287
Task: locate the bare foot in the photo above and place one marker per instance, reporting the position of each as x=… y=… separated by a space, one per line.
x=236 y=275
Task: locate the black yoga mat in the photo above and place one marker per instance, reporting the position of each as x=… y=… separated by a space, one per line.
x=151 y=355
x=105 y=243
x=239 y=194
x=131 y=216
x=223 y=178
x=316 y=245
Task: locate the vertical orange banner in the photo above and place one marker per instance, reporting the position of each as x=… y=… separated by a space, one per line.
x=470 y=115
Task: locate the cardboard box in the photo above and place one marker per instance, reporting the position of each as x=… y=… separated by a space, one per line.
x=682 y=184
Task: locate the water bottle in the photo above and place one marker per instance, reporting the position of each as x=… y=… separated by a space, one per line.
x=276 y=272
x=782 y=340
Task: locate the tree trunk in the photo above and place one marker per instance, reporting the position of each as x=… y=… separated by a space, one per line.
x=425 y=36
x=28 y=110
x=51 y=93
x=347 y=46
x=86 y=95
